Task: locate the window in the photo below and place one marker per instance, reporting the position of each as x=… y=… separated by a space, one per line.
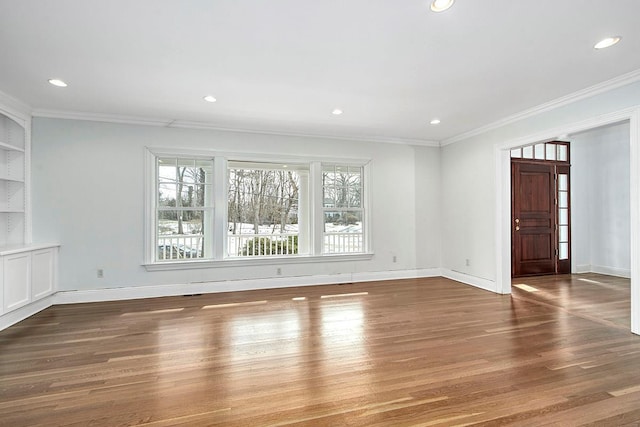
x=183 y=208
x=204 y=209
x=263 y=209
x=342 y=209
x=550 y=151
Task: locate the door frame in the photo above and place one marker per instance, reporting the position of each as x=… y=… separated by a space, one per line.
x=502 y=156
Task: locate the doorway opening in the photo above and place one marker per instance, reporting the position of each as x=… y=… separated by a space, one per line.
x=540 y=209
x=630 y=116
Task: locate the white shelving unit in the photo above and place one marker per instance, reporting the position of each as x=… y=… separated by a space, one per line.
x=13 y=141
x=28 y=271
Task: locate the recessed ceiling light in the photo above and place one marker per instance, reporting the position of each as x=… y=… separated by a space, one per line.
x=441 y=5
x=435 y=122
x=210 y=98
x=336 y=112
x=57 y=82
x=608 y=42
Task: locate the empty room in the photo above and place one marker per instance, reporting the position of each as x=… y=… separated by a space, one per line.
x=362 y=213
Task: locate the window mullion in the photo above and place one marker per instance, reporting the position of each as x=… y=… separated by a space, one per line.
x=219 y=222
x=151 y=188
x=304 y=214
x=365 y=188
x=316 y=216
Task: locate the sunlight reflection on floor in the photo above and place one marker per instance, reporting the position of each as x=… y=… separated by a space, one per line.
x=526 y=288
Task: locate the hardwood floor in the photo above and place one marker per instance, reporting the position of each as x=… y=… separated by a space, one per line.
x=605 y=299
x=423 y=352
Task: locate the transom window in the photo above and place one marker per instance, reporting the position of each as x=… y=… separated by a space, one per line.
x=217 y=208
x=556 y=151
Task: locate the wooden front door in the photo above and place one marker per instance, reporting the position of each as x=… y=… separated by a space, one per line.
x=534 y=218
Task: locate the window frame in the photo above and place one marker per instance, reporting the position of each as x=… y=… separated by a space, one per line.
x=152 y=208
x=219 y=226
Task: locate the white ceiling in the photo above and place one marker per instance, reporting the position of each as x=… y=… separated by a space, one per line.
x=284 y=65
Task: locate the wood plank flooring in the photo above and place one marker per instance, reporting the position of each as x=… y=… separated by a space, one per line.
x=417 y=352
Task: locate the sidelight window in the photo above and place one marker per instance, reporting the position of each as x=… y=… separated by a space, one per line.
x=563 y=216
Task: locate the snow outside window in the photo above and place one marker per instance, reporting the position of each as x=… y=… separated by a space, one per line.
x=342 y=191
x=183 y=208
x=265 y=203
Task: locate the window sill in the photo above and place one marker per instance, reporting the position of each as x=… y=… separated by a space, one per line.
x=244 y=262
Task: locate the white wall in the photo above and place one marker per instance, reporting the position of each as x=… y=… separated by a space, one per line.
x=468 y=196
x=428 y=208
x=600 y=200
x=469 y=179
x=88 y=195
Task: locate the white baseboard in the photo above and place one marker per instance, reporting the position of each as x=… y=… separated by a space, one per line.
x=478 y=282
x=15 y=316
x=586 y=268
x=602 y=269
x=611 y=271
x=154 y=291
x=395 y=275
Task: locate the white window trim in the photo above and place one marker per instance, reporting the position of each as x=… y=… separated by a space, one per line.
x=220 y=203
x=150 y=198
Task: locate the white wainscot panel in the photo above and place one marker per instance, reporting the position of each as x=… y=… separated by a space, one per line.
x=43 y=264
x=16 y=279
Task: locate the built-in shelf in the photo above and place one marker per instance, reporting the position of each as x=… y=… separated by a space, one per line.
x=12 y=134
x=13 y=141
x=6 y=146
x=28 y=271
x=12 y=179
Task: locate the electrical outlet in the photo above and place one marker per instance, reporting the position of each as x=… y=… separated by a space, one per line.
x=467 y=262
x=279 y=271
x=395 y=258
x=100 y=273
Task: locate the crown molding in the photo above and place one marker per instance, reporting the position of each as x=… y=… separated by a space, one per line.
x=100 y=117
x=570 y=129
x=386 y=140
x=184 y=124
x=599 y=88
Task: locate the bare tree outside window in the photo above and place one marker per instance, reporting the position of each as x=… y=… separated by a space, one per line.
x=263 y=202
x=184 y=188
x=343 y=211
